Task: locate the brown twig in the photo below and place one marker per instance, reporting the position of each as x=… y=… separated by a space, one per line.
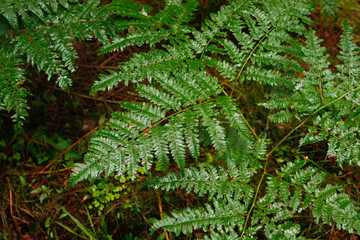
x=344 y=175
x=98 y=66
x=42 y=171
x=321 y=94
x=83 y=95
x=161 y=212
x=16 y=219
x=89 y=97
x=56 y=171
x=110 y=58
x=27 y=211
x=10 y=197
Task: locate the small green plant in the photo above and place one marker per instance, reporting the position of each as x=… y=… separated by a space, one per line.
x=105 y=193
x=285 y=153
x=44 y=190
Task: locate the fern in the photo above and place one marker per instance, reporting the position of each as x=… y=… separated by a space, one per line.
x=187 y=112
x=322 y=89
x=222 y=215
x=12 y=78
x=243 y=41
x=44 y=33
x=297 y=191
x=151 y=29
x=208 y=180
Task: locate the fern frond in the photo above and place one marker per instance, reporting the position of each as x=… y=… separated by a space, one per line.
x=298 y=190
x=260 y=148
x=9 y=13
x=337 y=209
x=274 y=59
x=64 y=47
x=220 y=217
x=27 y=13
x=46 y=31
x=177 y=145
x=226 y=69
x=87 y=20
x=274 y=43
x=159 y=97
x=160 y=147
x=282 y=116
x=90 y=170
x=222 y=235
x=351 y=60
x=191 y=133
x=264 y=76
x=176 y=87
x=214 y=128
x=122 y=127
x=223 y=20
x=145 y=153
x=13 y=94
x=232 y=114
x=128 y=9
x=181 y=13
x=42 y=56
x=266 y=41
x=219 y=184
x=142 y=66
x=342 y=135
x=165 y=25
x=132 y=158
x=135 y=37
x=146 y=111
x=277 y=101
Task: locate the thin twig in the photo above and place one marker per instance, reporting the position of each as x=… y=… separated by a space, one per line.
x=107 y=60
x=89 y=97
x=10 y=197
x=98 y=66
x=161 y=213
x=56 y=171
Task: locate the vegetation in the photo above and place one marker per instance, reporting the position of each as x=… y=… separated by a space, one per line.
x=239 y=108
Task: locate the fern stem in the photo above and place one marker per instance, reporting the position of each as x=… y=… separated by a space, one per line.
x=250 y=128
x=254 y=200
x=252 y=52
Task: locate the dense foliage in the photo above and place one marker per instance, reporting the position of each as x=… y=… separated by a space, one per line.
x=43 y=34
x=190 y=79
